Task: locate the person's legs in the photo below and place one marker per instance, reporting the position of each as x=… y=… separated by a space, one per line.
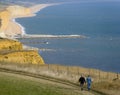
x=81 y=85
x=88 y=86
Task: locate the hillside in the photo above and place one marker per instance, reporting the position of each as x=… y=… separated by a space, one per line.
x=58 y=82
x=23 y=84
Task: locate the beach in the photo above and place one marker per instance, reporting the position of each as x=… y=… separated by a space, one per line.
x=12 y=29
x=9 y=27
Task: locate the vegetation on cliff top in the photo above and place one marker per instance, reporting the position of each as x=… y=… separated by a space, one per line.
x=12 y=51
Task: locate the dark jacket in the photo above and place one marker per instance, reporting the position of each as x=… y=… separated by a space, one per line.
x=82 y=80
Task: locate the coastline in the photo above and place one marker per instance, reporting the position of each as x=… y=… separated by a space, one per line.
x=72 y=54
x=21 y=27
x=10 y=27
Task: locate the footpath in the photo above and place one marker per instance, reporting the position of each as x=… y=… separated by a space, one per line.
x=49 y=80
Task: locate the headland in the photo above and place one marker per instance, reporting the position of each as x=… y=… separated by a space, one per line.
x=9 y=27
x=13 y=51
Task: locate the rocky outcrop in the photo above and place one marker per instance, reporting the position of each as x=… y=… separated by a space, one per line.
x=11 y=51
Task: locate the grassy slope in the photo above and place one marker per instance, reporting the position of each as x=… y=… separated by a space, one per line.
x=101 y=87
x=13 y=84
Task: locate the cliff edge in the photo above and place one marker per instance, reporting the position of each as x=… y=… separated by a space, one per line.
x=11 y=51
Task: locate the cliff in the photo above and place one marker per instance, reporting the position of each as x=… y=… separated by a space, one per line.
x=4 y=16
x=6 y=44
x=11 y=51
x=8 y=26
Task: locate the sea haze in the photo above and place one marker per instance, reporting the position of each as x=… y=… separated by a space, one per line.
x=99 y=21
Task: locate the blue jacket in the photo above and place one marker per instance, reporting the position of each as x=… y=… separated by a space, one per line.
x=89 y=80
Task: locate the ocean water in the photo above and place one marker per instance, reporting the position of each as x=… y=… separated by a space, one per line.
x=99 y=21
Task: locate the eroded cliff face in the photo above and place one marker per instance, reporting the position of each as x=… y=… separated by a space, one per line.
x=22 y=57
x=7 y=44
x=17 y=11
x=5 y=17
x=11 y=51
x=0 y=23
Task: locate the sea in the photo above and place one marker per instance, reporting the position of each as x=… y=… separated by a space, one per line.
x=98 y=21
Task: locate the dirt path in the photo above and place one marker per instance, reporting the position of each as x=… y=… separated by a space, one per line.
x=46 y=80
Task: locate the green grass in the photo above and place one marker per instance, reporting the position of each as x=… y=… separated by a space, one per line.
x=14 y=85
x=18 y=86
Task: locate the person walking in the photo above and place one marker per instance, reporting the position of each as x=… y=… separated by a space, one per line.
x=89 y=82
x=82 y=81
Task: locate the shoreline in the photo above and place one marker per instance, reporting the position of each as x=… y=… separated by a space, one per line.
x=10 y=27
x=19 y=17
x=21 y=27
x=14 y=30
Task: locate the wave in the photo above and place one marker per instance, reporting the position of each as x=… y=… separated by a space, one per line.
x=50 y=36
x=21 y=27
x=34 y=10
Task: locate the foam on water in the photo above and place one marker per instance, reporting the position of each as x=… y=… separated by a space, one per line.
x=35 y=9
x=50 y=36
x=22 y=28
